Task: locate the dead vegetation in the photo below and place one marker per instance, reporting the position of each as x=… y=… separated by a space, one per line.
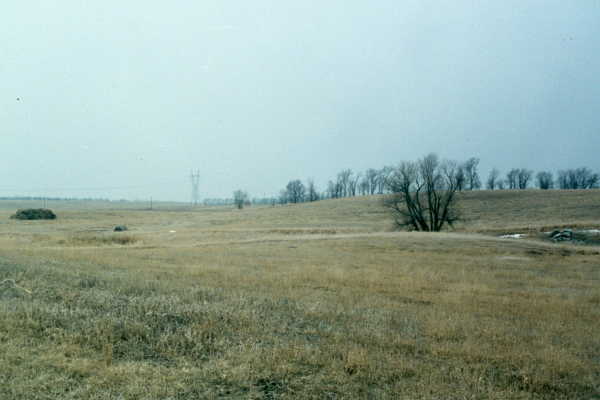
x=272 y=304
x=100 y=240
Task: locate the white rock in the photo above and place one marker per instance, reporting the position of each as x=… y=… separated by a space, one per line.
x=514 y=236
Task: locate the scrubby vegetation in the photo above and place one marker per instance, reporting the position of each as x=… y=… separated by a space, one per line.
x=34 y=213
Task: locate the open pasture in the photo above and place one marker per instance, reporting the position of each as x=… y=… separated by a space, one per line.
x=320 y=300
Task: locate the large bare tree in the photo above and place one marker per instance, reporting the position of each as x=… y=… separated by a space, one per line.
x=518 y=178
x=353 y=185
x=512 y=178
x=363 y=186
x=545 y=180
x=295 y=191
x=334 y=190
x=523 y=177
x=579 y=178
x=370 y=181
x=423 y=194
x=382 y=178
x=240 y=198
x=493 y=179
x=471 y=173
x=312 y=194
x=344 y=181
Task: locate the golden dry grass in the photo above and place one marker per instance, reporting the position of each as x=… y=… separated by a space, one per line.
x=316 y=301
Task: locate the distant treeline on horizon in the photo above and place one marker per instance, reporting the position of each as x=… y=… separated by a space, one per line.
x=42 y=198
x=348 y=183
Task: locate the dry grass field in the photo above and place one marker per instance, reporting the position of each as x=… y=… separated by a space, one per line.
x=314 y=301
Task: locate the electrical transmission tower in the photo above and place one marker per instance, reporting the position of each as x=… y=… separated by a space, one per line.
x=195 y=179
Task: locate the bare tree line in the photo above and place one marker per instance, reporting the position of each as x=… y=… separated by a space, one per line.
x=521 y=178
x=349 y=183
x=465 y=176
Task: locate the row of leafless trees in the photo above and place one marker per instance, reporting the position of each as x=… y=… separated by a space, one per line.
x=516 y=178
x=580 y=178
x=521 y=178
x=422 y=193
x=376 y=181
x=465 y=176
x=346 y=184
x=297 y=192
x=349 y=183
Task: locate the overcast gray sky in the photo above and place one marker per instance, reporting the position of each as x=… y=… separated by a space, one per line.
x=121 y=99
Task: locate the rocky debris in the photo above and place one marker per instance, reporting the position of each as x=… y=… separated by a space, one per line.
x=513 y=236
x=120 y=228
x=562 y=236
x=593 y=231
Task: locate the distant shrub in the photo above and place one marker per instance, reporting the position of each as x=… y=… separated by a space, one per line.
x=34 y=213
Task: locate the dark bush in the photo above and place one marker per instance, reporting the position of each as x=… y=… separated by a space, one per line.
x=34 y=213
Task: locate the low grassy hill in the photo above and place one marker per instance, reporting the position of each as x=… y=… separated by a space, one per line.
x=522 y=210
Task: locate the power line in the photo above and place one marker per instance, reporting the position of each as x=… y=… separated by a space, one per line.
x=195 y=179
x=84 y=188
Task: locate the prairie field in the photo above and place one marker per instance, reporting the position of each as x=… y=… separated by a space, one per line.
x=320 y=300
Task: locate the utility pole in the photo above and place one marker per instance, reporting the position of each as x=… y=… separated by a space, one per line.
x=195 y=179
